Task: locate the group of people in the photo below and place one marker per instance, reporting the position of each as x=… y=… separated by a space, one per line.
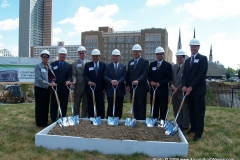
x=184 y=78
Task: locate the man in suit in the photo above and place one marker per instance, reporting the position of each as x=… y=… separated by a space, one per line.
x=114 y=76
x=194 y=84
x=63 y=73
x=137 y=75
x=93 y=76
x=160 y=73
x=78 y=83
x=176 y=87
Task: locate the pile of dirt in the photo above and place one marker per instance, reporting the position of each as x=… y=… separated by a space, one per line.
x=121 y=132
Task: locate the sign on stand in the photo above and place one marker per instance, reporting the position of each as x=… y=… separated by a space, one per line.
x=17 y=69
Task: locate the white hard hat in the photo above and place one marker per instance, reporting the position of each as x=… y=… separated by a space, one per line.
x=81 y=48
x=180 y=52
x=159 y=50
x=95 y=52
x=116 y=52
x=62 y=50
x=194 y=42
x=137 y=47
x=45 y=52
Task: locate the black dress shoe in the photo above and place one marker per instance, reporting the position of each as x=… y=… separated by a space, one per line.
x=196 y=138
x=184 y=129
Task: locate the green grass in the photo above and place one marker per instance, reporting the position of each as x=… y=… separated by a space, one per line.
x=221 y=138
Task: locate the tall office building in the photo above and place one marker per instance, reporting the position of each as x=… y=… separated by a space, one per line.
x=35 y=25
x=105 y=39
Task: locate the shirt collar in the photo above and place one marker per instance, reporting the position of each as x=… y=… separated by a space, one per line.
x=137 y=58
x=160 y=61
x=115 y=63
x=195 y=55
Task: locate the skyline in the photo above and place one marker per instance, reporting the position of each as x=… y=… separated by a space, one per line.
x=216 y=23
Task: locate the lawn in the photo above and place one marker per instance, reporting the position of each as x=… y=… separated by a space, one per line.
x=221 y=138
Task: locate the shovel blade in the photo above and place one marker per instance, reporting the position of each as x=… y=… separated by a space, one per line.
x=96 y=121
x=151 y=122
x=175 y=129
x=113 y=121
x=130 y=122
x=74 y=120
x=63 y=122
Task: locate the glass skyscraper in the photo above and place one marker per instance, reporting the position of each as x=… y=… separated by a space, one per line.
x=35 y=25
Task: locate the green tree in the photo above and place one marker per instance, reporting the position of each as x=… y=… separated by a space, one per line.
x=228 y=75
x=231 y=70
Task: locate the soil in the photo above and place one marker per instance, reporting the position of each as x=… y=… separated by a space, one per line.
x=121 y=132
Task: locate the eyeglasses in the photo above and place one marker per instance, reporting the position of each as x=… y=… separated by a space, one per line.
x=45 y=57
x=159 y=53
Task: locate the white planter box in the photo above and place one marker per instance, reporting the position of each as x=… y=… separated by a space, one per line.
x=110 y=146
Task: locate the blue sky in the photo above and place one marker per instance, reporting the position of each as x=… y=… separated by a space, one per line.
x=216 y=22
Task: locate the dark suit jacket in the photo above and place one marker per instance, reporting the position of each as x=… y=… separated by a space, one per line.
x=140 y=74
x=162 y=76
x=89 y=75
x=62 y=74
x=195 y=76
x=177 y=80
x=110 y=75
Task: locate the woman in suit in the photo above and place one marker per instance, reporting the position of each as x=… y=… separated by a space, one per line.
x=44 y=80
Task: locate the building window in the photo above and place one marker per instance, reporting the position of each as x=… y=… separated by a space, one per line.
x=111 y=39
x=136 y=39
x=120 y=39
x=109 y=45
x=129 y=39
x=118 y=45
x=105 y=39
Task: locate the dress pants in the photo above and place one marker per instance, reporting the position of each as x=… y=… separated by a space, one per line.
x=161 y=102
x=42 y=98
x=118 y=106
x=63 y=98
x=140 y=105
x=78 y=98
x=99 y=99
x=197 y=107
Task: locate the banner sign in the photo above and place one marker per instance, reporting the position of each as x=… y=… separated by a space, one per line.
x=18 y=69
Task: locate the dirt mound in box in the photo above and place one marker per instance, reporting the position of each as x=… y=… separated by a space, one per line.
x=121 y=132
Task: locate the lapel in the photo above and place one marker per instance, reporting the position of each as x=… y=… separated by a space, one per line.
x=80 y=62
x=180 y=71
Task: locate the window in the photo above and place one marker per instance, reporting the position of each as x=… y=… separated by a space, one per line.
x=120 y=39
x=129 y=39
x=136 y=39
x=105 y=40
x=111 y=39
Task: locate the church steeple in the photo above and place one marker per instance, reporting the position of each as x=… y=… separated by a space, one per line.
x=210 y=55
x=194 y=33
x=179 y=45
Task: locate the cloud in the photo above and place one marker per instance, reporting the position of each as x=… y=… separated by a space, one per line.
x=9 y=24
x=57 y=31
x=86 y=19
x=55 y=40
x=152 y=3
x=205 y=9
x=4 y=4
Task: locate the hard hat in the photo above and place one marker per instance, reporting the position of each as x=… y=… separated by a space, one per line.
x=95 y=52
x=180 y=52
x=137 y=47
x=159 y=50
x=45 y=52
x=62 y=50
x=194 y=42
x=116 y=52
x=81 y=48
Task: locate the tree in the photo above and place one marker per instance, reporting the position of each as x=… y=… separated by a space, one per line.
x=228 y=75
x=231 y=70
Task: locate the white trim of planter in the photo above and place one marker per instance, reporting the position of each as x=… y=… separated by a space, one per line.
x=110 y=146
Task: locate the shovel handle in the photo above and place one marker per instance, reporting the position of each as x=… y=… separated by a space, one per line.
x=153 y=100
x=58 y=102
x=93 y=97
x=114 y=100
x=180 y=107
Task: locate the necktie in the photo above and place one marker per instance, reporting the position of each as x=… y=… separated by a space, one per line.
x=178 y=69
x=158 y=65
x=96 y=68
x=82 y=64
x=60 y=64
x=115 y=68
x=135 y=64
x=191 y=63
